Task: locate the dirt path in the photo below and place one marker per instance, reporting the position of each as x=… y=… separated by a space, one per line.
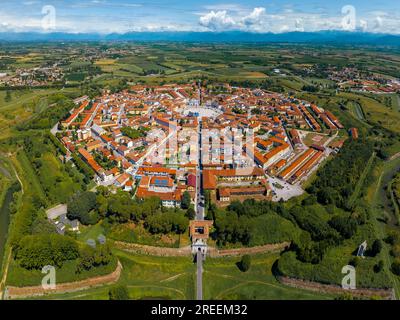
x=180 y=292
x=394 y=157
x=172 y=278
x=25 y=292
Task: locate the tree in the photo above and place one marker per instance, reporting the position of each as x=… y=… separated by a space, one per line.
x=167 y=222
x=346 y=226
x=190 y=213
x=121 y=207
x=119 y=293
x=37 y=251
x=383 y=154
x=186 y=200
x=354 y=262
x=310 y=88
x=80 y=205
x=376 y=248
x=8 y=96
x=207 y=199
x=396 y=266
x=378 y=267
x=94 y=257
x=245 y=264
x=102 y=205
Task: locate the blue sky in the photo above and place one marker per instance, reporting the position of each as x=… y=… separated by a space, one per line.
x=107 y=16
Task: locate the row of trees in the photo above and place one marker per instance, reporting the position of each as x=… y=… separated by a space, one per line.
x=37 y=251
x=80 y=207
x=337 y=179
x=89 y=207
x=90 y=258
x=259 y=222
x=34 y=252
x=252 y=223
x=393 y=239
x=167 y=222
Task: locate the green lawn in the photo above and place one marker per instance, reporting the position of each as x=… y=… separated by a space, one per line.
x=59 y=186
x=147 y=277
x=30 y=176
x=379 y=204
x=361 y=181
x=223 y=280
x=375 y=111
x=90 y=232
x=24 y=104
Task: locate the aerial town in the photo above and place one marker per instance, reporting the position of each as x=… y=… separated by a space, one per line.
x=147 y=140
x=33 y=77
x=169 y=152
x=353 y=79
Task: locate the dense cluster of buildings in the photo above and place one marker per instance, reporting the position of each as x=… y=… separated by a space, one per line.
x=353 y=79
x=147 y=140
x=373 y=86
x=34 y=77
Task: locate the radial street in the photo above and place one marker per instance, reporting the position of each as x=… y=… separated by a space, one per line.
x=199 y=213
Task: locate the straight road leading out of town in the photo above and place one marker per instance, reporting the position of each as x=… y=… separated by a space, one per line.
x=199 y=260
x=199 y=199
x=199 y=176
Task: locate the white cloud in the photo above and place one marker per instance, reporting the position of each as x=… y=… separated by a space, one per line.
x=255 y=18
x=259 y=20
x=217 y=21
x=222 y=20
x=221 y=17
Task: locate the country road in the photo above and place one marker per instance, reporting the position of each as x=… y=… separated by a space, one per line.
x=199 y=260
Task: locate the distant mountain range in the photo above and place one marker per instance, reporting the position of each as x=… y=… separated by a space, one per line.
x=325 y=37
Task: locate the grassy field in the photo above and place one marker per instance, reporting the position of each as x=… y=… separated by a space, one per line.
x=31 y=180
x=147 y=277
x=23 y=105
x=385 y=219
x=57 y=183
x=361 y=181
x=315 y=138
x=6 y=180
x=223 y=280
x=375 y=111
x=356 y=110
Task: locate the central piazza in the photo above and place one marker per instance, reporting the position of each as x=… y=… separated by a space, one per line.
x=159 y=141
